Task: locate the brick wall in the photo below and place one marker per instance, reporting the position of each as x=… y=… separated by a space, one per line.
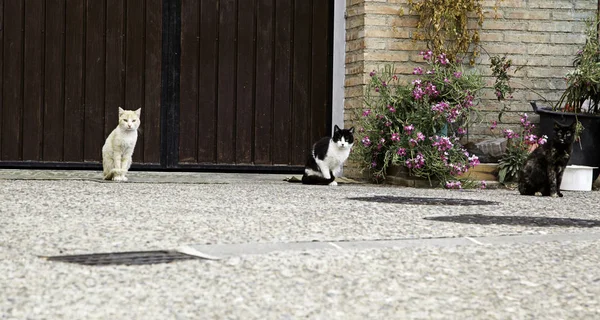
x=540 y=36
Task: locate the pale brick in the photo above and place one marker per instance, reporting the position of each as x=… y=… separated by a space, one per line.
x=586 y=4
x=553 y=49
x=373 y=32
x=403 y=21
x=373 y=20
x=382 y=9
x=491 y=36
x=556 y=26
x=526 y=37
x=504 y=25
x=572 y=15
x=355 y=21
x=386 y=56
x=554 y=4
x=506 y=49
x=567 y=38
x=407 y=45
x=546 y=72
x=527 y=14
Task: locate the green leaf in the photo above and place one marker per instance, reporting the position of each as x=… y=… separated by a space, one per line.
x=502 y=175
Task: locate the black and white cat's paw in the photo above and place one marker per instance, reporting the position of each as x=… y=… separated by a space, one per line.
x=333 y=183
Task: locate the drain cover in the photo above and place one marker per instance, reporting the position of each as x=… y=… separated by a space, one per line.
x=518 y=221
x=124 y=258
x=425 y=201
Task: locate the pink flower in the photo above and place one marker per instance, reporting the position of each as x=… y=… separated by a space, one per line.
x=446 y=80
x=366 y=141
x=483 y=184
x=418 y=70
x=431 y=90
x=543 y=140
x=420 y=136
x=418 y=93
x=401 y=152
x=443 y=59
x=409 y=128
x=366 y=113
x=392 y=109
x=494 y=125
x=427 y=55
x=440 y=107
x=509 y=134
x=453 y=185
x=412 y=142
x=387 y=123
x=457 y=74
x=461 y=130
x=395 y=137
x=372 y=73
x=473 y=160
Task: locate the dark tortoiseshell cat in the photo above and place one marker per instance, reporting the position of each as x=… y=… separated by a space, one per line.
x=544 y=167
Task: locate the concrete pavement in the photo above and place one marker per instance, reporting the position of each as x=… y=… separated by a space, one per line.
x=552 y=275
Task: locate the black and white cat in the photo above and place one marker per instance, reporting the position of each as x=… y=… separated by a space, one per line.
x=544 y=167
x=327 y=156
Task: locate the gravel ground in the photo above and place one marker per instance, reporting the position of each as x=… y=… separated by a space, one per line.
x=50 y=217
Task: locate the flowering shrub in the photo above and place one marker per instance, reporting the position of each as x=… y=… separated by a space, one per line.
x=418 y=125
x=518 y=147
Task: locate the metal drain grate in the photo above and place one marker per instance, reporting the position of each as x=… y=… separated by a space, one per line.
x=425 y=201
x=518 y=221
x=124 y=258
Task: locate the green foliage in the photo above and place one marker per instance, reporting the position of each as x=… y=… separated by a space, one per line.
x=584 y=82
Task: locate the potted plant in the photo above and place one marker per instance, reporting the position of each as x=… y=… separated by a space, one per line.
x=579 y=102
x=417 y=126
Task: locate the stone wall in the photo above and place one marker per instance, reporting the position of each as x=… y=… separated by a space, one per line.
x=540 y=36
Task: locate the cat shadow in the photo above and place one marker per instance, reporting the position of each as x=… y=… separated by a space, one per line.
x=425 y=201
x=517 y=221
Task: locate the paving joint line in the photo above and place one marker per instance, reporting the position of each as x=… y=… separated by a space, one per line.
x=221 y=251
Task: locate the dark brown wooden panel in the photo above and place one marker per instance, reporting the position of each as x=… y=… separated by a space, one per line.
x=207 y=84
x=320 y=80
x=12 y=98
x=190 y=41
x=134 y=66
x=53 y=81
x=282 y=103
x=245 y=81
x=114 y=96
x=74 y=81
x=94 y=79
x=264 y=79
x=33 y=80
x=226 y=82
x=152 y=84
x=301 y=80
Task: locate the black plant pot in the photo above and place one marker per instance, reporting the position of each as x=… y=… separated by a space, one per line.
x=586 y=153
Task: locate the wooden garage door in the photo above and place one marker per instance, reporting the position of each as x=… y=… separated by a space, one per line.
x=67 y=65
x=255 y=80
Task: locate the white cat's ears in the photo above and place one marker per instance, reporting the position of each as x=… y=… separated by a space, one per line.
x=138 y=112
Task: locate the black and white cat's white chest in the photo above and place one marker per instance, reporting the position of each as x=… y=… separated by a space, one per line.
x=331 y=153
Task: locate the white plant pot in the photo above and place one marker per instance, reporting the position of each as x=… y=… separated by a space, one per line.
x=577 y=178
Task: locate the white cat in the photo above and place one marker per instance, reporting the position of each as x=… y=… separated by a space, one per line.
x=118 y=148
